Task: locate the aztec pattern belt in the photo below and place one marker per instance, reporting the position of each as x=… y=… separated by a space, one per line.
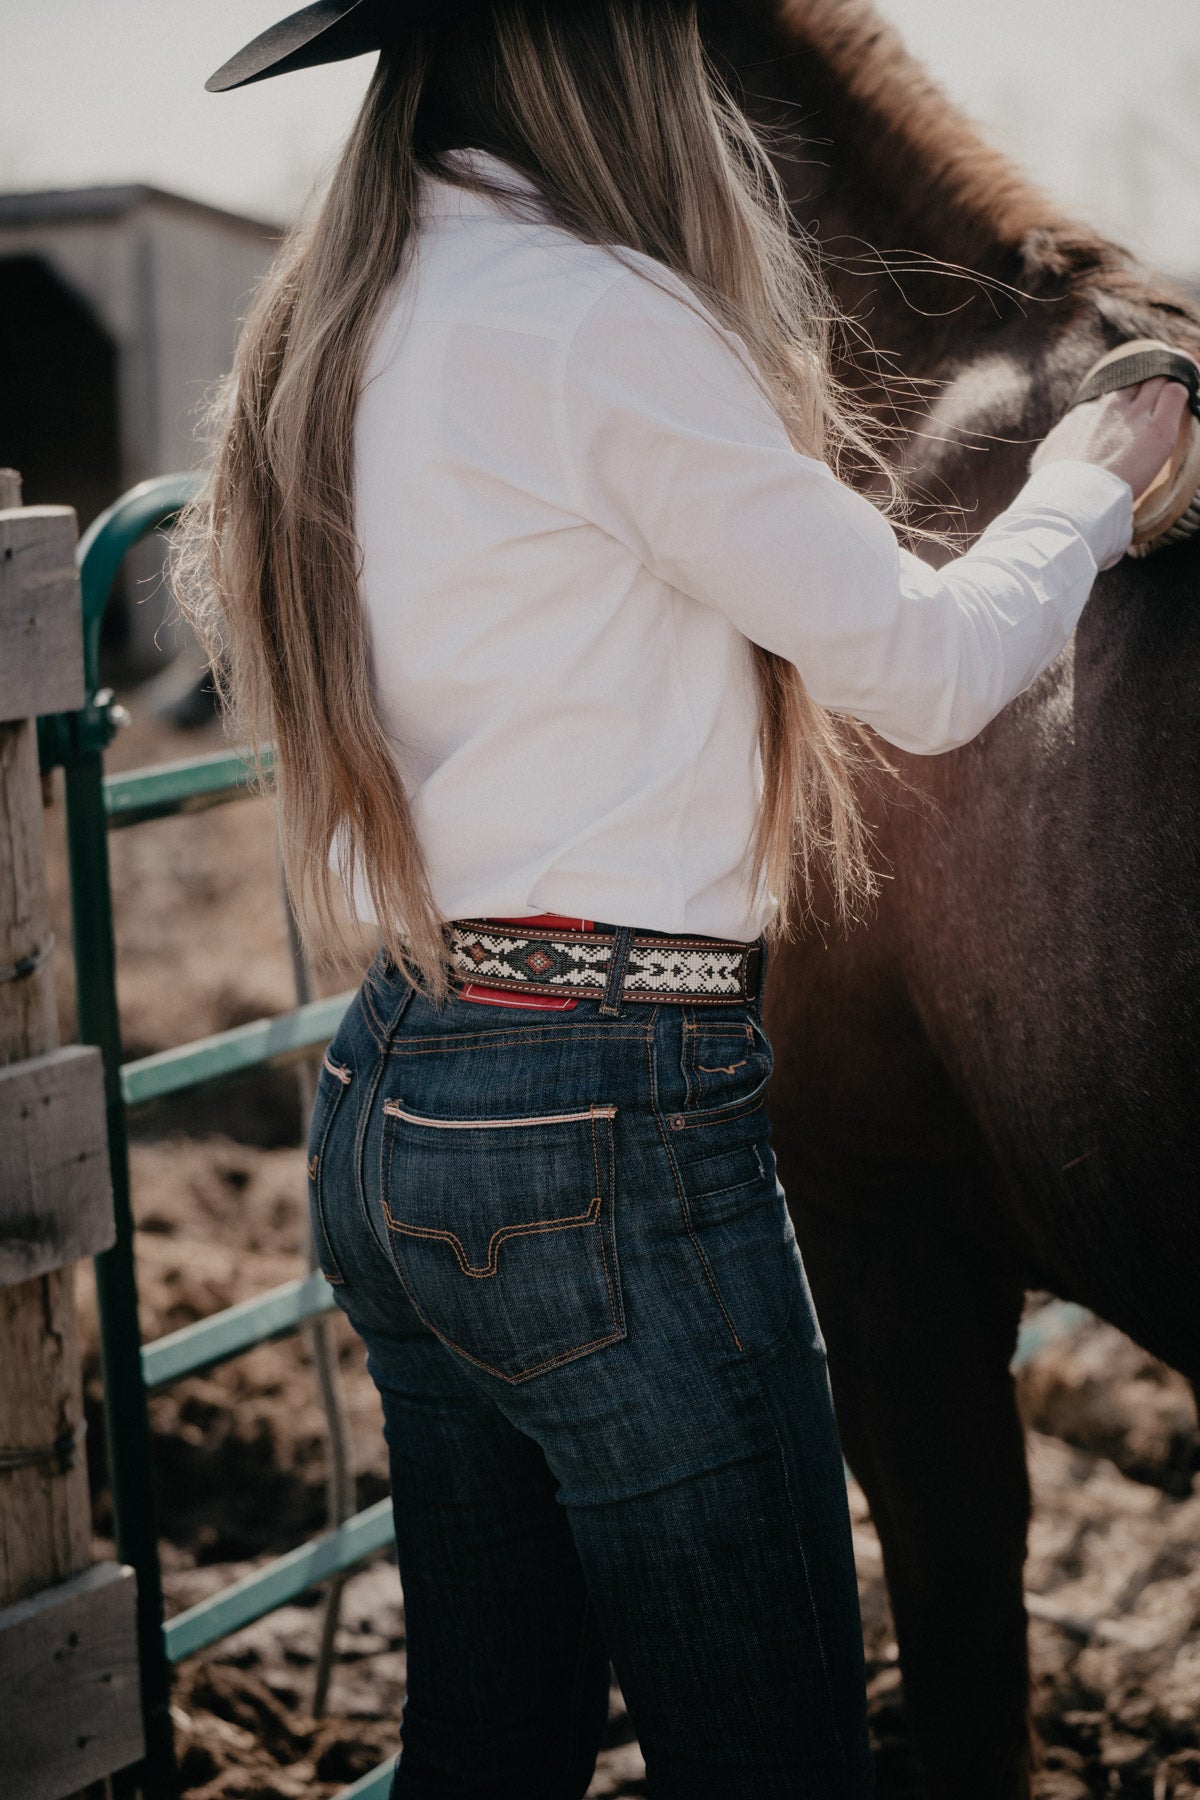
x=529 y=960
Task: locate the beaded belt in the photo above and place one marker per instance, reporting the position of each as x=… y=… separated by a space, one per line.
x=534 y=960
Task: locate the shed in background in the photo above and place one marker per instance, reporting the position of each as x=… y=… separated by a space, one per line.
x=119 y=307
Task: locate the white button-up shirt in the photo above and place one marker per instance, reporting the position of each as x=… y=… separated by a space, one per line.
x=576 y=511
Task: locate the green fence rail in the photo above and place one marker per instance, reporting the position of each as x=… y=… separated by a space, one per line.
x=245 y=1050
x=96 y=805
x=194 y=1348
x=280 y=1581
x=192 y=785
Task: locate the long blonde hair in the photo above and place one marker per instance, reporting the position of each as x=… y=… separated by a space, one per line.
x=613 y=110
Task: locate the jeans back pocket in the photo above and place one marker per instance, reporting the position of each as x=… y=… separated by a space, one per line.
x=503 y=1234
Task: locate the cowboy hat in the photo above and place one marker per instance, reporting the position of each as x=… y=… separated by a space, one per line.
x=329 y=31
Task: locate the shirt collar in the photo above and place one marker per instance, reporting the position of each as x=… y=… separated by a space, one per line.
x=443 y=199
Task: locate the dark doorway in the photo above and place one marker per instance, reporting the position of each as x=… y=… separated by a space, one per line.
x=58 y=395
x=58 y=391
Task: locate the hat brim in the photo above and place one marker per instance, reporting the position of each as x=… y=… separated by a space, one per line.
x=329 y=31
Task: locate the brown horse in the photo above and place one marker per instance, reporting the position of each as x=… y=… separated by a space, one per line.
x=992 y=1086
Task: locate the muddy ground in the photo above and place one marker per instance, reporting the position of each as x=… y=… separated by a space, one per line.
x=218 y=1192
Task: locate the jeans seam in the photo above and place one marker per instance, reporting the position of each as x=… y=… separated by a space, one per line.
x=690 y=1087
x=799 y=1539
x=366 y=1107
x=370 y=1017
x=701 y=1258
x=333 y=1274
x=616 y=1305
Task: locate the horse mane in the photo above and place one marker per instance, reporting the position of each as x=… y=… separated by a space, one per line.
x=866 y=88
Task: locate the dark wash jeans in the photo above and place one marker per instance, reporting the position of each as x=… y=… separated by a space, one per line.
x=562 y=1241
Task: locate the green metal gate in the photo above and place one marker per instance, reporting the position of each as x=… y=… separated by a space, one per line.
x=95 y=805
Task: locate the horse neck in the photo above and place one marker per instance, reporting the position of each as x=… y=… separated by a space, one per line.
x=882 y=165
x=975 y=306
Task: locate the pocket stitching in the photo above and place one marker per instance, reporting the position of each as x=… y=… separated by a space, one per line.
x=698 y=1034
x=498 y=1237
x=395 y=1111
x=616 y=1312
x=717 y=1115
x=564 y=1356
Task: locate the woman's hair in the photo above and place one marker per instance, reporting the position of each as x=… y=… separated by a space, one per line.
x=613 y=110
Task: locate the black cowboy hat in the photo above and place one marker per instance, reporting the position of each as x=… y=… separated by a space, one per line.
x=330 y=31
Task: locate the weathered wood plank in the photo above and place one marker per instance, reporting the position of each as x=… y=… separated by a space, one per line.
x=45 y=1523
x=41 y=642
x=55 y=1193
x=45 y=1514
x=28 y=1020
x=69 y=1709
x=45 y=1517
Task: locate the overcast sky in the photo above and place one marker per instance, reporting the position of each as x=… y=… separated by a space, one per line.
x=1100 y=99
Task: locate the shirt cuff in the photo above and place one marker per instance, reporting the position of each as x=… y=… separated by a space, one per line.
x=1096 y=502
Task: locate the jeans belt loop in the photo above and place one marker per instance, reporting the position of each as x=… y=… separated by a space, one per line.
x=757 y=957
x=610 y=1006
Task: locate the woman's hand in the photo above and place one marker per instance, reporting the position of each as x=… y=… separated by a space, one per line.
x=1132 y=431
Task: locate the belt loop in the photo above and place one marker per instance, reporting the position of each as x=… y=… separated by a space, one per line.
x=610 y=1006
x=756 y=1002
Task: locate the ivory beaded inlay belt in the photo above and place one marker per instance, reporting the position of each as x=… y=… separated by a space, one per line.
x=656 y=968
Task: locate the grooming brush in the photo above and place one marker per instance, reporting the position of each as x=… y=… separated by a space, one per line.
x=1168 y=510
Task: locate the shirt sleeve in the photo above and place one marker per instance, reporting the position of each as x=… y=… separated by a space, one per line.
x=672 y=447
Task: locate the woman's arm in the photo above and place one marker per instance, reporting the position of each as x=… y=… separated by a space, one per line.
x=673 y=449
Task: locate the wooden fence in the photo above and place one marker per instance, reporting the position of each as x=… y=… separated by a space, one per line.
x=69 y=1703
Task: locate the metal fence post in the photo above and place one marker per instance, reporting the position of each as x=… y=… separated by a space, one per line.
x=126 y=1417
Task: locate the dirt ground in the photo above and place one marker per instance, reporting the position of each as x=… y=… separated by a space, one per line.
x=1114 y=1570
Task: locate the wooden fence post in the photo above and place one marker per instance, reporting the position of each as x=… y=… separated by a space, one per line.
x=68 y=1678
